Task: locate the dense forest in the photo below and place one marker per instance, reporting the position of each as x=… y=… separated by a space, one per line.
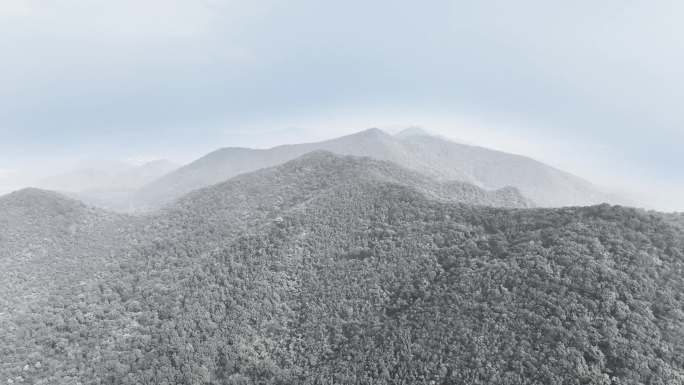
x=340 y=270
x=676 y=219
x=47 y=239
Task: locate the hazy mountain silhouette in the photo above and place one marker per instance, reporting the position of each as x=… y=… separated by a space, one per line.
x=108 y=185
x=429 y=155
x=108 y=177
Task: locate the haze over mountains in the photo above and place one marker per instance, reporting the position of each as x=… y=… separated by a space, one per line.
x=126 y=188
x=107 y=184
x=108 y=176
x=414 y=149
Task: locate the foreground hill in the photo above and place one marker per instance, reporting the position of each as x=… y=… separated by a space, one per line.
x=432 y=156
x=47 y=238
x=48 y=244
x=332 y=274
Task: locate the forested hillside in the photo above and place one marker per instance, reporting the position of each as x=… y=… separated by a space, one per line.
x=328 y=270
x=50 y=244
x=47 y=239
x=677 y=219
x=210 y=216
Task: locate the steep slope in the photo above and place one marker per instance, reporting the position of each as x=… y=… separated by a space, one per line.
x=432 y=156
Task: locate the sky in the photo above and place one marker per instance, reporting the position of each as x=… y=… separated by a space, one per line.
x=590 y=87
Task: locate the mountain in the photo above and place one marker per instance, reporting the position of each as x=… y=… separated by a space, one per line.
x=326 y=270
x=321 y=170
x=433 y=156
x=217 y=213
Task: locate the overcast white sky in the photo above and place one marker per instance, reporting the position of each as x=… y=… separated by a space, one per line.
x=594 y=87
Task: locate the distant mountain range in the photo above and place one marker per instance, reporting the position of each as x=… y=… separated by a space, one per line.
x=108 y=176
x=126 y=188
x=107 y=184
x=413 y=149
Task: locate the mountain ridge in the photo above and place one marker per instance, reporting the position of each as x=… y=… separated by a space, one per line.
x=432 y=156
